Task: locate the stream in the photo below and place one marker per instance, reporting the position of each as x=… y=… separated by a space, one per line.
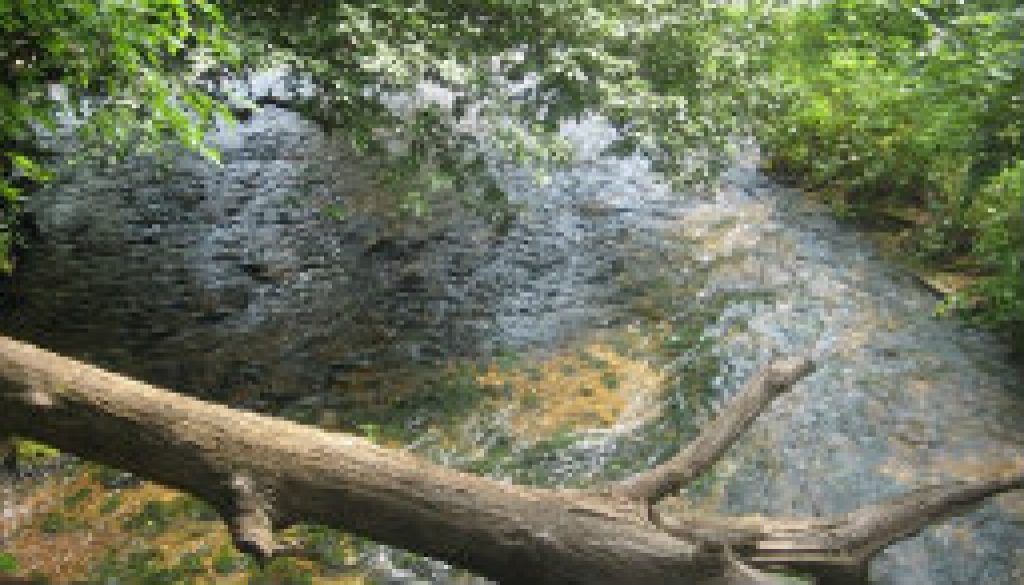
x=583 y=341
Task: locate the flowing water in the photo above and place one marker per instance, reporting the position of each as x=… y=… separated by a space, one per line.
x=582 y=341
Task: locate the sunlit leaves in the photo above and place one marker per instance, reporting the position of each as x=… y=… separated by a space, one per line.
x=867 y=98
x=673 y=76
x=919 y=102
x=124 y=73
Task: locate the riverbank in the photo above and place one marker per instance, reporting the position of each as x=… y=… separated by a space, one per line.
x=905 y=119
x=955 y=278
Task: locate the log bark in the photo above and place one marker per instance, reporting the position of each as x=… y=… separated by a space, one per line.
x=263 y=473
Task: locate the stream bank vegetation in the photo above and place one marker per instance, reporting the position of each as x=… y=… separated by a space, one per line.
x=909 y=113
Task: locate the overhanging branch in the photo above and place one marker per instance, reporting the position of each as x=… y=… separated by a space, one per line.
x=718 y=435
x=837 y=549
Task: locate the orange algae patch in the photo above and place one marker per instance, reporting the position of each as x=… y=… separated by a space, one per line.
x=583 y=387
x=62 y=541
x=91 y=529
x=981 y=466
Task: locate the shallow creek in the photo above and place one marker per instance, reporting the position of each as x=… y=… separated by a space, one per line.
x=582 y=341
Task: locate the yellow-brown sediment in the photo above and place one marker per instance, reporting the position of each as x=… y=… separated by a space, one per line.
x=582 y=387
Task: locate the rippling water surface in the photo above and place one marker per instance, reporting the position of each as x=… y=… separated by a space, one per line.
x=581 y=342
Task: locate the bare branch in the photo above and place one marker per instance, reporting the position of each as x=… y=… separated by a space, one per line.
x=773 y=380
x=838 y=549
x=249 y=522
x=870 y=529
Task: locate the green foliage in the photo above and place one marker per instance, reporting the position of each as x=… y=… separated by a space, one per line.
x=997 y=213
x=111 y=504
x=226 y=561
x=154 y=518
x=439 y=401
x=8 y=564
x=147 y=567
x=331 y=548
x=55 y=522
x=191 y=564
x=916 y=102
x=30 y=452
x=77 y=498
x=193 y=508
x=610 y=380
x=666 y=72
x=674 y=76
x=282 y=571
x=793 y=579
x=126 y=72
x=111 y=478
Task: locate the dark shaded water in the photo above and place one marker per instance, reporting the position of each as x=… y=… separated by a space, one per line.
x=580 y=342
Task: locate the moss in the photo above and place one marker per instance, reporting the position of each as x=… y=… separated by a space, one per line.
x=703 y=483
x=111 y=504
x=593 y=361
x=532 y=464
x=112 y=478
x=530 y=400
x=533 y=373
x=794 y=579
x=506 y=360
x=55 y=522
x=227 y=561
x=147 y=567
x=610 y=380
x=8 y=563
x=282 y=571
x=491 y=461
x=333 y=549
x=191 y=564
x=154 y=518
x=195 y=509
x=31 y=452
x=77 y=498
x=436 y=400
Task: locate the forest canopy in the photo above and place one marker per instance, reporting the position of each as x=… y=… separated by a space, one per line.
x=872 y=103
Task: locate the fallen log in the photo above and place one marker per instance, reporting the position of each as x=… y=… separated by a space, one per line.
x=263 y=473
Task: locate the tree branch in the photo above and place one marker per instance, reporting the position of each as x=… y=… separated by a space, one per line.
x=261 y=472
x=709 y=446
x=837 y=549
x=249 y=522
x=869 y=530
